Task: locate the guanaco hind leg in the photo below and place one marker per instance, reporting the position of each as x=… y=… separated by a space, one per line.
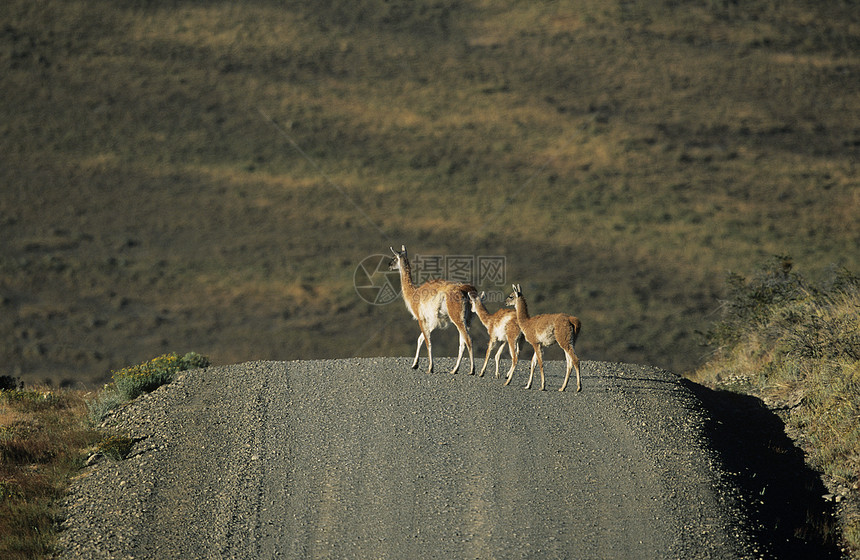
x=498 y=357
x=418 y=350
x=465 y=341
x=572 y=362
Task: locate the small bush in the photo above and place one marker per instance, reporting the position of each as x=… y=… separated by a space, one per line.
x=8 y=382
x=133 y=381
x=107 y=400
x=750 y=303
x=116 y=446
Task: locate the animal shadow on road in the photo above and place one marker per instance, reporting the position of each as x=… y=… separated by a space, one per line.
x=783 y=494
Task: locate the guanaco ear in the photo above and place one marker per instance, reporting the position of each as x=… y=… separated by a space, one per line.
x=482 y=296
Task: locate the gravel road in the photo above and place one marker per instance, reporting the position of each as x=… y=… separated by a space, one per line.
x=366 y=458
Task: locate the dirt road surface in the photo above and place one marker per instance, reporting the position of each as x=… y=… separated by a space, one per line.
x=366 y=458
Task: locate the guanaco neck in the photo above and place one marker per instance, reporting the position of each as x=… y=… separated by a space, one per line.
x=482 y=312
x=406 y=280
x=522 y=310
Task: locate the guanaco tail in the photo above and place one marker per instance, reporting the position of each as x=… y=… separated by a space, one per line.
x=543 y=330
x=502 y=327
x=433 y=304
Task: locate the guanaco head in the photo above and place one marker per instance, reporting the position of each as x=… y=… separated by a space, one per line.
x=511 y=301
x=476 y=298
x=399 y=258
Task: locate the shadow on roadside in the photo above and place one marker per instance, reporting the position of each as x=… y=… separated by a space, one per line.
x=781 y=492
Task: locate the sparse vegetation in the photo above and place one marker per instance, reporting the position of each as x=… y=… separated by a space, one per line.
x=45 y=436
x=796 y=345
x=116 y=446
x=43 y=439
x=132 y=381
x=104 y=402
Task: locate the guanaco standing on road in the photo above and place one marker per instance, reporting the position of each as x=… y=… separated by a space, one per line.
x=543 y=330
x=433 y=304
x=502 y=327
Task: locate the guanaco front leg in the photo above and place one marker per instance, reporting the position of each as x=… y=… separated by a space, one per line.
x=498 y=357
x=421 y=340
x=514 y=348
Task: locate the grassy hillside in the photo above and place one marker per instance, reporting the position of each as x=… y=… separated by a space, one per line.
x=209 y=175
x=795 y=344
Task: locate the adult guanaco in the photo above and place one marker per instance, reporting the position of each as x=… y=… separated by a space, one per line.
x=502 y=327
x=433 y=304
x=543 y=330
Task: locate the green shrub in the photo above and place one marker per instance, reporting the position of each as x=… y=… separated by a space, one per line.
x=133 y=381
x=108 y=399
x=750 y=303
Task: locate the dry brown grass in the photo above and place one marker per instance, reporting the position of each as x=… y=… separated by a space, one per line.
x=43 y=437
x=796 y=345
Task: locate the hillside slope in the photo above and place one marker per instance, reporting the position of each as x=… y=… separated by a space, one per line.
x=211 y=175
